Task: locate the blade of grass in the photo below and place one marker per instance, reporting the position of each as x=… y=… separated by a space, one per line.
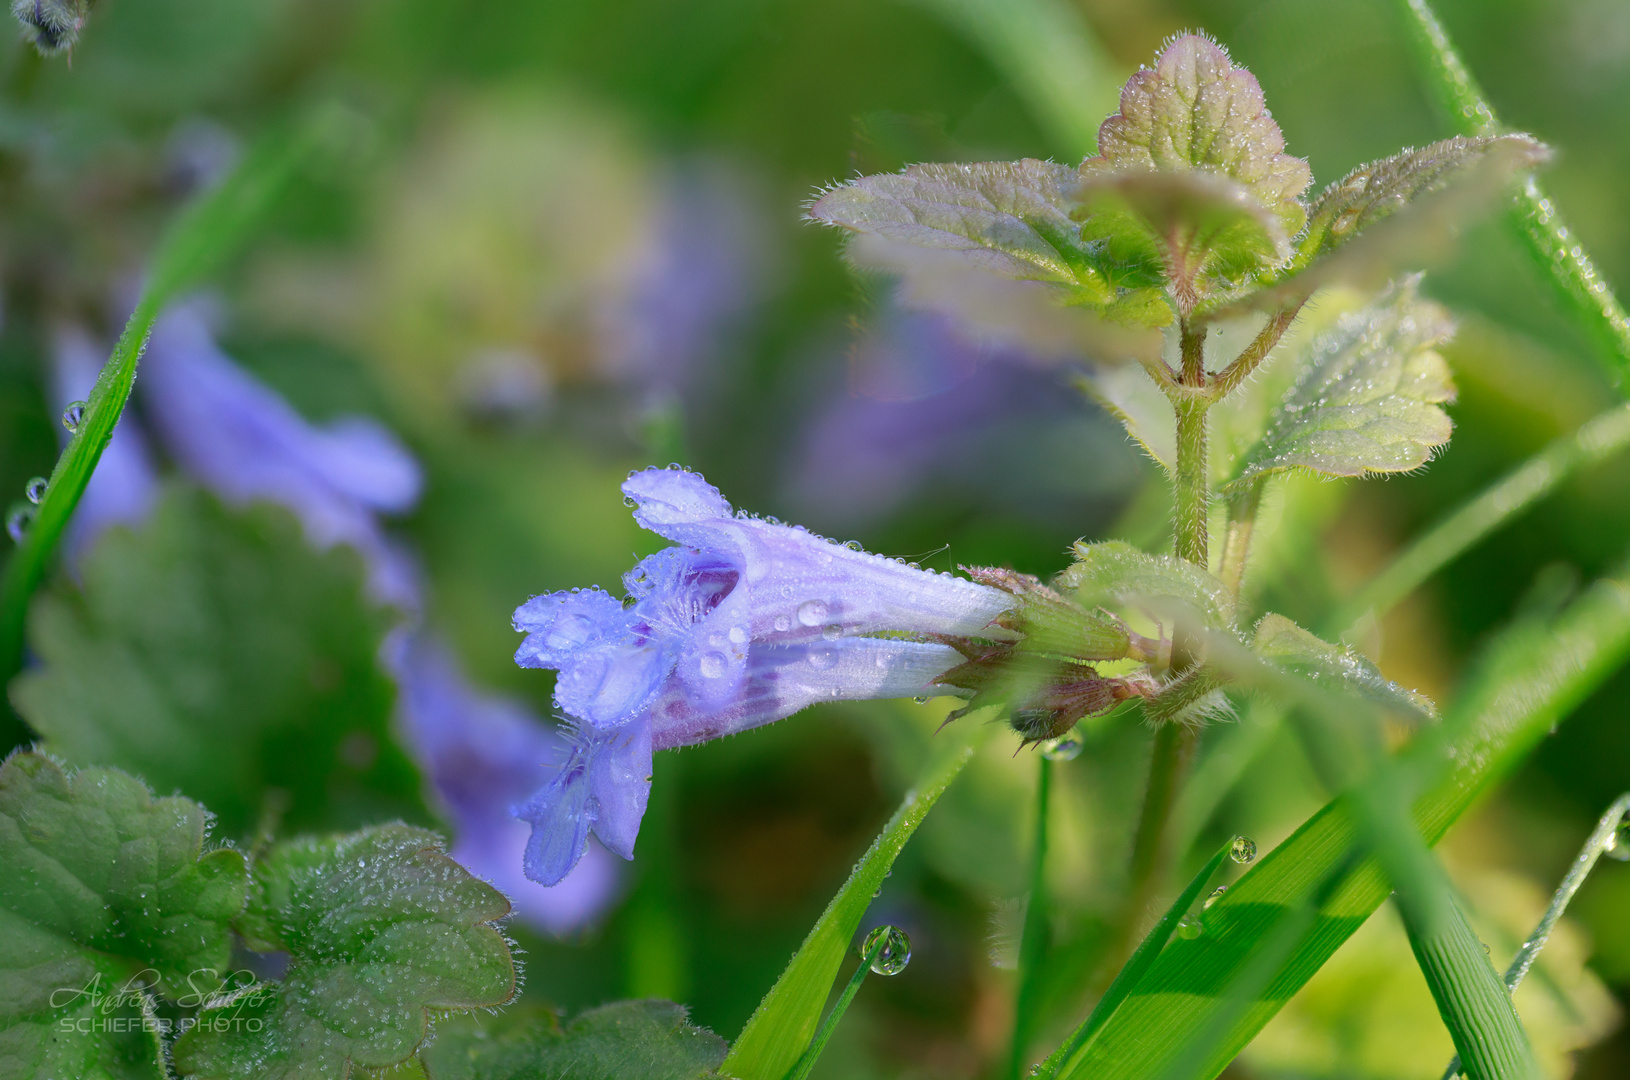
x=1528 y=683
x=1601 y=839
x=1597 y=439
x=784 y=1021
x=810 y=1056
x=199 y=240
x=1143 y=958
x=1554 y=248
x=1033 y=939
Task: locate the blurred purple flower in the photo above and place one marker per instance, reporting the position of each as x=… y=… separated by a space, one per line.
x=747 y=622
x=122 y=488
x=485 y=755
x=244 y=442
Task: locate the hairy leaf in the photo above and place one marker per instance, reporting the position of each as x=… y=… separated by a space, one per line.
x=105 y=892
x=1371 y=398
x=1118 y=572
x=652 y=1040
x=1194 y=110
x=217 y=654
x=381 y=927
x=1283 y=642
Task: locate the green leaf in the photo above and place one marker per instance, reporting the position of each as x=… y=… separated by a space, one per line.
x=784 y=1021
x=1117 y=572
x=1197 y=232
x=381 y=927
x=194 y=245
x=1535 y=676
x=1371 y=398
x=215 y=653
x=1008 y=218
x=1195 y=111
x=106 y=891
x=653 y=1040
x=1288 y=645
x=1374 y=192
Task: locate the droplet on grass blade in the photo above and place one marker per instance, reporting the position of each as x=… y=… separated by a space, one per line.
x=895 y=954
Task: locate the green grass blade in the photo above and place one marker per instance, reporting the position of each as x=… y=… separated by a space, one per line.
x=1033 y=939
x=823 y=1036
x=201 y=237
x=1142 y=960
x=1555 y=250
x=1596 y=440
x=1533 y=679
x=785 y=1020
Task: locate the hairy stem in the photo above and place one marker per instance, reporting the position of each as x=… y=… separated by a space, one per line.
x=1242 y=511
x=1230 y=377
x=1193 y=495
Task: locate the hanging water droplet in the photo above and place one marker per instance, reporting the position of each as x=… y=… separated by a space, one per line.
x=1618 y=847
x=1064 y=748
x=712 y=665
x=630 y=502
x=18 y=521
x=1216 y=894
x=895 y=954
x=1242 y=850
x=35 y=489
x=921 y=699
x=73 y=416
x=1190 y=927
x=812 y=612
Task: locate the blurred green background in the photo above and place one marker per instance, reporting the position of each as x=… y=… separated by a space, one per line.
x=512 y=163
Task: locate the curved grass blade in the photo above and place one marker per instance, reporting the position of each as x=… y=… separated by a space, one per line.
x=1596 y=440
x=1534 y=678
x=785 y=1020
x=1603 y=838
x=200 y=238
x=1142 y=960
x=1033 y=939
x=1554 y=248
x=830 y=1024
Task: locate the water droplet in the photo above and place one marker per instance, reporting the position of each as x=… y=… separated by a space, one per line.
x=1619 y=846
x=895 y=954
x=738 y=634
x=822 y=658
x=18 y=521
x=1064 y=748
x=853 y=545
x=831 y=632
x=712 y=665
x=1216 y=894
x=1190 y=927
x=782 y=623
x=1242 y=850
x=35 y=489
x=73 y=416
x=921 y=699
x=812 y=612
x=630 y=502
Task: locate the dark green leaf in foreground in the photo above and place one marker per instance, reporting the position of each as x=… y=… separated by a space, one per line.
x=1371 y=399
x=215 y=653
x=1344 y=668
x=104 y=891
x=1117 y=572
x=381 y=927
x=651 y=1040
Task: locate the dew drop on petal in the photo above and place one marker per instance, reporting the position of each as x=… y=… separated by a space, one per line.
x=1242 y=850
x=831 y=632
x=895 y=953
x=73 y=416
x=812 y=612
x=782 y=623
x=738 y=634
x=1063 y=748
x=822 y=658
x=35 y=489
x=921 y=699
x=1190 y=927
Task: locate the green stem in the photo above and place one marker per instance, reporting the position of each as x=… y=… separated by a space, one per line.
x=1242 y=512
x=807 y=1062
x=1193 y=494
x=1033 y=941
x=1554 y=248
x=1230 y=377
